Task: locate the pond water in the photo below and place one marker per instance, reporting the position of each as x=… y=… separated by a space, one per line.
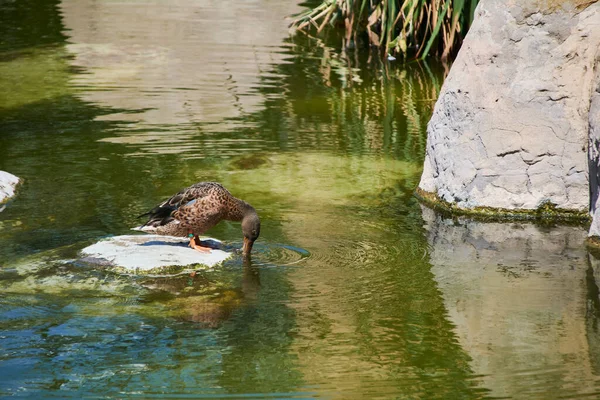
x=354 y=290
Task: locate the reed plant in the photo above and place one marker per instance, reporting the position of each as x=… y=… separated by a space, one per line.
x=414 y=28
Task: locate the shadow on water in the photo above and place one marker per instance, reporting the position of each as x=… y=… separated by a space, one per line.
x=29 y=23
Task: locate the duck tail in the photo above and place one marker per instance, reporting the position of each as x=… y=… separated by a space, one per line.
x=159 y=215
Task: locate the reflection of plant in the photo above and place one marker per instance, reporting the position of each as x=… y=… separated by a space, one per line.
x=361 y=102
x=395 y=25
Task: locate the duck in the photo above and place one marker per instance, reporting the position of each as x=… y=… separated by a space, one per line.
x=196 y=209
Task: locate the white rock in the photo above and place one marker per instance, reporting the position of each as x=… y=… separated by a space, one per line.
x=510 y=127
x=151 y=254
x=8 y=183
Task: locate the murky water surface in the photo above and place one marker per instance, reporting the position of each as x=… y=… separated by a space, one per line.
x=354 y=291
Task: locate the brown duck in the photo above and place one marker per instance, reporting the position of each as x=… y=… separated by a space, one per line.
x=196 y=209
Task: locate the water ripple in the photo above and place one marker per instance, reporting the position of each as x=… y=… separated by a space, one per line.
x=277 y=254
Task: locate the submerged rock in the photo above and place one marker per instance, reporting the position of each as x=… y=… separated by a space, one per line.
x=8 y=183
x=510 y=127
x=152 y=254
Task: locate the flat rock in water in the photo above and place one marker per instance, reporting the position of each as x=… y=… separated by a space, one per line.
x=148 y=254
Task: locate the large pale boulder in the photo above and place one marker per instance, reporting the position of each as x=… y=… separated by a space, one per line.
x=8 y=183
x=510 y=127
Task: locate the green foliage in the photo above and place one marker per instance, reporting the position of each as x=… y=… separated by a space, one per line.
x=407 y=27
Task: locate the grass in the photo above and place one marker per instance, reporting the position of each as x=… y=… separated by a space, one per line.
x=413 y=28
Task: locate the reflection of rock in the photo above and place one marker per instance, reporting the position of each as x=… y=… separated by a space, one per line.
x=177 y=63
x=8 y=183
x=517 y=295
x=510 y=126
x=150 y=254
x=593 y=310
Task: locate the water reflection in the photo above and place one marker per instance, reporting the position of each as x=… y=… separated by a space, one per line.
x=27 y=24
x=593 y=310
x=215 y=333
x=224 y=87
x=180 y=63
x=203 y=300
x=517 y=295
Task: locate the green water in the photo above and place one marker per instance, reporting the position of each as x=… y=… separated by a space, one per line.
x=353 y=291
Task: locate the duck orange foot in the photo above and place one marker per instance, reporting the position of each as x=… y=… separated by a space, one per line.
x=195 y=244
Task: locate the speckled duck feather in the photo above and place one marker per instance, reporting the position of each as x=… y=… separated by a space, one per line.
x=195 y=210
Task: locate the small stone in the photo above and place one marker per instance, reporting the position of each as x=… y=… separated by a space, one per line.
x=8 y=183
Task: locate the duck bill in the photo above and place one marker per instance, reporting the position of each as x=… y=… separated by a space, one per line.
x=247 y=247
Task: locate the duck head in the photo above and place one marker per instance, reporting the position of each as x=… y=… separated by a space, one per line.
x=251 y=231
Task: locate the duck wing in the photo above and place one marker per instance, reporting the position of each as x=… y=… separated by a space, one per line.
x=185 y=204
x=199 y=214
